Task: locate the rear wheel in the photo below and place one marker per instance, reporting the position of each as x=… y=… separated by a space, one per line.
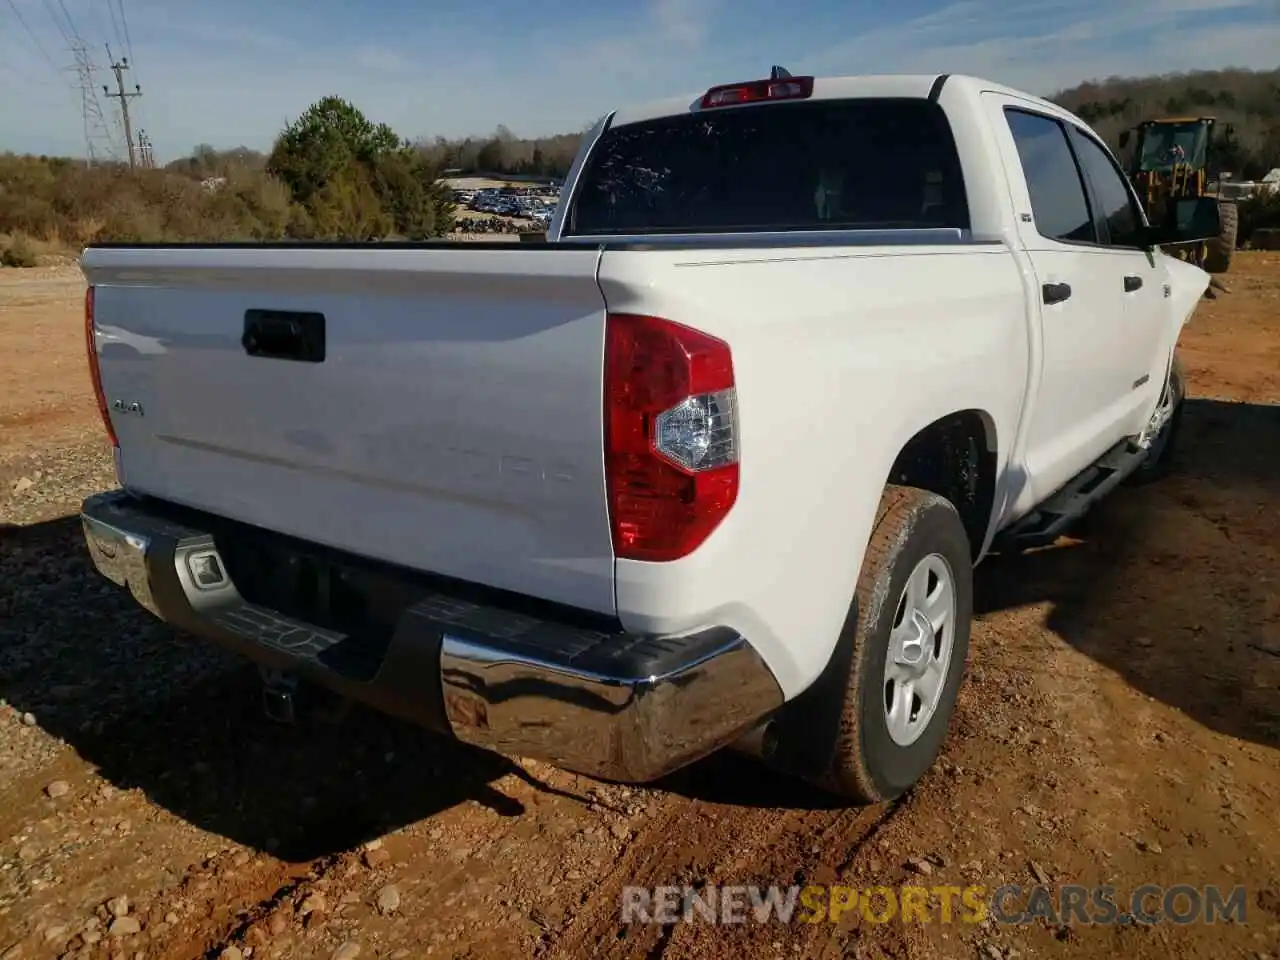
x=1223 y=246
x=915 y=602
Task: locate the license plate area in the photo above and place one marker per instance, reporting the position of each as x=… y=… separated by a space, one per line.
x=323 y=590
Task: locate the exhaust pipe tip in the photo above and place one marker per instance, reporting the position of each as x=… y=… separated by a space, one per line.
x=278 y=689
x=759 y=743
x=278 y=705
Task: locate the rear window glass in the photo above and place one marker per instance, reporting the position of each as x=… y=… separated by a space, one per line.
x=818 y=165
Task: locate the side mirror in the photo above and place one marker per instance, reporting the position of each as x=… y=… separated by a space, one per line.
x=1188 y=220
x=1124 y=139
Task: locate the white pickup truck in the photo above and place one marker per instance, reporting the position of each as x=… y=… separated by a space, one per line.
x=710 y=467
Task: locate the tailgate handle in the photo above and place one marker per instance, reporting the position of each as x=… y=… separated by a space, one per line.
x=284 y=335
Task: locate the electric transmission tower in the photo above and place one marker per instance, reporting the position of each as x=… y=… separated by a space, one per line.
x=118 y=67
x=97 y=136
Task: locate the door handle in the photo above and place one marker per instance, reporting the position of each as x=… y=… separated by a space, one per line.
x=1132 y=283
x=1055 y=292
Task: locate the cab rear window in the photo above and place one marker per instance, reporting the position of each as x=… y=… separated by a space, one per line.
x=875 y=163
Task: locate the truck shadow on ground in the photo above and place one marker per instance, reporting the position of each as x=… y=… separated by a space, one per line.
x=182 y=721
x=1175 y=585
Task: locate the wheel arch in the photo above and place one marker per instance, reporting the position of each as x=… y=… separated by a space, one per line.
x=956 y=457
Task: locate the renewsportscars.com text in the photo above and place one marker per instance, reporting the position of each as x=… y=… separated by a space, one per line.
x=1007 y=904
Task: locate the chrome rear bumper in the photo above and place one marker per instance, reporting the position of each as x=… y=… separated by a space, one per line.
x=610 y=704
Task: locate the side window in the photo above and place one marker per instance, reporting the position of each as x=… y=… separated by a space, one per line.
x=1058 y=199
x=1110 y=190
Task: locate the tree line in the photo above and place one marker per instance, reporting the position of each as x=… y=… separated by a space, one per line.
x=1247 y=101
x=1245 y=104
x=502 y=152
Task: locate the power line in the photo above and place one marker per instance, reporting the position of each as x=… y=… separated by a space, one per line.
x=70 y=22
x=115 y=22
x=118 y=25
x=98 y=138
x=124 y=20
x=116 y=36
x=53 y=15
x=30 y=33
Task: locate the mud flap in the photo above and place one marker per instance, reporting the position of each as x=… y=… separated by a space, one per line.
x=801 y=738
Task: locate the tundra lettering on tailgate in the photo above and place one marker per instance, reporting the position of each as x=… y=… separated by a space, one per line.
x=467 y=469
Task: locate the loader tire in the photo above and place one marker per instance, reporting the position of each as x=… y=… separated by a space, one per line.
x=1221 y=247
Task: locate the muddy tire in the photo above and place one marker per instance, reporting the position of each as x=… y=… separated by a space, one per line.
x=909 y=643
x=1222 y=247
x=1165 y=446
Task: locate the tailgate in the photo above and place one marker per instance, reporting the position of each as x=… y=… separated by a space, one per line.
x=453 y=424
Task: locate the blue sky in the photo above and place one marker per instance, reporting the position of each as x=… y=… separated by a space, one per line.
x=234 y=71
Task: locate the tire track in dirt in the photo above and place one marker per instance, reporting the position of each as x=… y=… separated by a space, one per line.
x=695 y=842
x=234 y=909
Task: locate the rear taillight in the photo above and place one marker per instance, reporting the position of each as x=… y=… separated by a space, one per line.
x=671 y=436
x=95 y=372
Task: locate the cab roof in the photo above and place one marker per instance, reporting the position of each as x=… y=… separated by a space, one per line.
x=918 y=85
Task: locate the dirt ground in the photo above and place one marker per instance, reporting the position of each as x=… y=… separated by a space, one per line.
x=1120 y=724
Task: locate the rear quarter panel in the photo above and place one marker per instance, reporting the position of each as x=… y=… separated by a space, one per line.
x=841 y=355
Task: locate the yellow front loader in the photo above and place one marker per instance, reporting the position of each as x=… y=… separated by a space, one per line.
x=1171 y=160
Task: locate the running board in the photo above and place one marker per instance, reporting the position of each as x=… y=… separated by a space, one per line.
x=1051 y=519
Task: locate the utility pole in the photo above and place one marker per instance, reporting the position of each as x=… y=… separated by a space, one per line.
x=118 y=68
x=146 y=152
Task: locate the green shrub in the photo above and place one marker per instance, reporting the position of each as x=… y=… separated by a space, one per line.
x=332 y=175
